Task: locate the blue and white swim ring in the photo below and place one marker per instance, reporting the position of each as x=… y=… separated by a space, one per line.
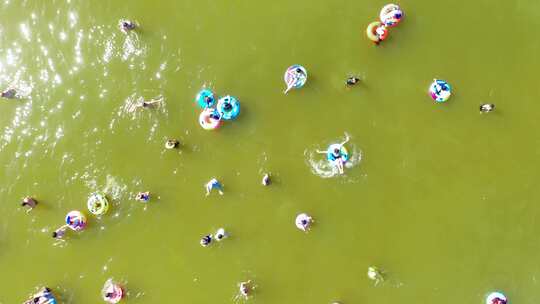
x=344 y=154
x=228 y=107
x=205 y=99
x=440 y=90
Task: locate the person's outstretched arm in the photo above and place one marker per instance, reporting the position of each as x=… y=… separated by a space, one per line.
x=346 y=140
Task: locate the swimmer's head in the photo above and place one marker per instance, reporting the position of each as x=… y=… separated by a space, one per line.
x=337 y=151
x=54 y=234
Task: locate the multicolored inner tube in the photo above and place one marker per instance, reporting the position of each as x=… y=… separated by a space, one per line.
x=44 y=296
x=391 y=15
x=205 y=99
x=76 y=220
x=376 y=31
x=440 y=90
x=98 y=203
x=112 y=292
x=210 y=119
x=496 y=298
x=343 y=153
x=228 y=107
x=295 y=77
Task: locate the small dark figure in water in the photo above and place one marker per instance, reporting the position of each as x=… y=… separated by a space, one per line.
x=127 y=25
x=227 y=106
x=487 y=107
x=208 y=101
x=206 y=240
x=9 y=93
x=352 y=81
x=143 y=197
x=60 y=232
x=266 y=180
x=172 y=144
x=29 y=202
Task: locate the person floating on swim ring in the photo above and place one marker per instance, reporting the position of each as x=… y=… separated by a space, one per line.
x=143 y=197
x=303 y=222
x=245 y=288
x=213 y=184
x=206 y=240
x=496 y=298
x=336 y=154
x=76 y=220
x=220 y=234
x=112 y=292
x=44 y=296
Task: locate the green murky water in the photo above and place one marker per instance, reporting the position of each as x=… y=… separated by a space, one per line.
x=440 y=197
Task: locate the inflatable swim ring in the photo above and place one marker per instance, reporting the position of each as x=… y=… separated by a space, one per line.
x=496 y=298
x=112 y=292
x=210 y=119
x=303 y=221
x=205 y=99
x=342 y=152
x=376 y=31
x=295 y=77
x=228 y=107
x=44 y=296
x=98 y=203
x=391 y=15
x=440 y=90
x=76 y=220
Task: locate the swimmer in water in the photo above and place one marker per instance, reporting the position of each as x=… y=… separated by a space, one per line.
x=352 y=81
x=60 y=232
x=487 y=107
x=213 y=184
x=127 y=25
x=266 y=180
x=206 y=240
x=375 y=274
x=149 y=103
x=336 y=156
x=9 y=93
x=29 y=202
x=245 y=288
x=143 y=197
x=220 y=234
x=172 y=144
x=303 y=222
